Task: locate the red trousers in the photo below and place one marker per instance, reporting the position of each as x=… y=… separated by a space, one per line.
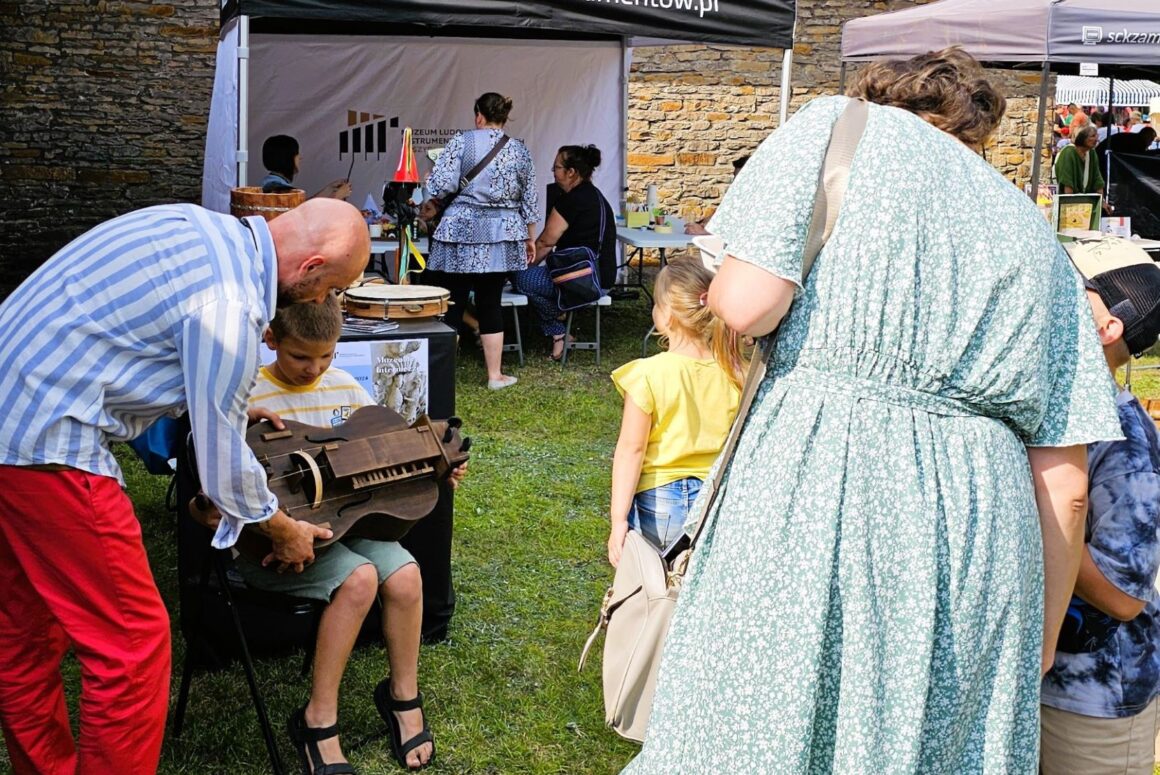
x=73 y=573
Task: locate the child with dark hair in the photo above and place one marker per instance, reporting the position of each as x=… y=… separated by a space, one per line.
x=281 y=155
x=1099 y=706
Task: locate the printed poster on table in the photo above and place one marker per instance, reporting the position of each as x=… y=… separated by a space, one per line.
x=393 y=371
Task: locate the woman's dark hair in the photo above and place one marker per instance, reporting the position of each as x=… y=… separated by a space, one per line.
x=582 y=158
x=278 y=154
x=495 y=108
x=948 y=88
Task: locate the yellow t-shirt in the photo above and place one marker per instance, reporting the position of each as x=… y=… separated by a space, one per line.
x=692 y=403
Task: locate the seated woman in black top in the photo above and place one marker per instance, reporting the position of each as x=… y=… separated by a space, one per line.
x=574 y=221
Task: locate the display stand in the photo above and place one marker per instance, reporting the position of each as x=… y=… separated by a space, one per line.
x=429 y=542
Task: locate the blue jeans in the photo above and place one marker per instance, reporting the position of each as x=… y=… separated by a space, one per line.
x=659 y=514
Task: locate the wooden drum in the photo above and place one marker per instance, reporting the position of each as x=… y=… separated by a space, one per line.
x=249 y=200
x=385 y=302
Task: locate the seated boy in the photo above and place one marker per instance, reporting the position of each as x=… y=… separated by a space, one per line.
x=1099 y=700
x=300 y=385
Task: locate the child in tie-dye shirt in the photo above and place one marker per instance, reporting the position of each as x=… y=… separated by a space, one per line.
x=1099 y=706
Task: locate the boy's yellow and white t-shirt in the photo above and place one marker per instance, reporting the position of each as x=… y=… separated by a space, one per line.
x=692 y=403
x=327 y=401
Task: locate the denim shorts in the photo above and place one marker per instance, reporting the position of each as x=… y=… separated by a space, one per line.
x=659 y=514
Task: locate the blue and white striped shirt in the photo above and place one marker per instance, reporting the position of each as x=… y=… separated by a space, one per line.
x=152 y=313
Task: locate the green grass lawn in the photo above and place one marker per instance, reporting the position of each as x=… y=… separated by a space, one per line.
x=530 y=569
x=503 y=696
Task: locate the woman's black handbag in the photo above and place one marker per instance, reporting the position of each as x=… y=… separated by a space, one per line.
x=576 y=274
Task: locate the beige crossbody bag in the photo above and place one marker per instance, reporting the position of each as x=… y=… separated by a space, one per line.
x=638 y=607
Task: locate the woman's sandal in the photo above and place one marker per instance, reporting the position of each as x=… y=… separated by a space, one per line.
x=557 y=339
x=306 y=738
x=387 y=706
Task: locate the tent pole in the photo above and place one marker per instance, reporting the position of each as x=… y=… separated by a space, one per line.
x=842 y=79
x=243 y=97
x=786 y=78
x=624 y=68
x=1045 y=76
x=1111 y=114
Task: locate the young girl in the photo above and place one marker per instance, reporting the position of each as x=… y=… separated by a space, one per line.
x=678 y=406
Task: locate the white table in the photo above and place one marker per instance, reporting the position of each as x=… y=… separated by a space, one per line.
x=384 y=247
x=636 y=241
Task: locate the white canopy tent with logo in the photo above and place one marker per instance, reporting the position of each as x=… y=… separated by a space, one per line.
x=345 y=76
x=1122 y=37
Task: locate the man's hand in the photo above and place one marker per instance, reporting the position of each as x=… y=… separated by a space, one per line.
x=530 y=250
x=203 y=512
x=259 y=413
x=293 y=542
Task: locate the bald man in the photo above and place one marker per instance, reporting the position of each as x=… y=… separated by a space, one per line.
x=152 y=313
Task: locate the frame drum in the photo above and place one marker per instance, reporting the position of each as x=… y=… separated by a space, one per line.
x=385 y=302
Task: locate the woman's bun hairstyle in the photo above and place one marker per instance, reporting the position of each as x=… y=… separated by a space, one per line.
x=948 y=88
x=494 y=107
x=582 y=158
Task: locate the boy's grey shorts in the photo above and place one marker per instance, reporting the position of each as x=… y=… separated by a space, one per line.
x=331 y=567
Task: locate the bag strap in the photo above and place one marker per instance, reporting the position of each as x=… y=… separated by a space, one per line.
x=832 y=180
x=602 y=202
x=486 y=160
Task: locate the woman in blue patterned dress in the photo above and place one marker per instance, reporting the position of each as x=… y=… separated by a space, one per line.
x=906 y=502
x=489 y=230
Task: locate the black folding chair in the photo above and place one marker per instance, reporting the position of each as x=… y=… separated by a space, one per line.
x=208 y=584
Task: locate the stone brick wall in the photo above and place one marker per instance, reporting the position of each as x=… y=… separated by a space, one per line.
x=104 y=107
x=694 y=109
x=103 y=110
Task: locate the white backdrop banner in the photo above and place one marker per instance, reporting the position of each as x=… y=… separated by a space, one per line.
x=347 y=99
x=220 y=170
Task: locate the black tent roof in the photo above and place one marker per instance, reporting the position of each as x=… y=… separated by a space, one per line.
x=767 y=23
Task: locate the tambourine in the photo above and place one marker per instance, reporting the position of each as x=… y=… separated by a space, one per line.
x=383 y=302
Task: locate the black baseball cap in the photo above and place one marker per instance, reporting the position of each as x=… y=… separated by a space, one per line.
x=1127 y=281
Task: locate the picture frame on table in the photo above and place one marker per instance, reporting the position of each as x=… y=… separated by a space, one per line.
x=1077 y=211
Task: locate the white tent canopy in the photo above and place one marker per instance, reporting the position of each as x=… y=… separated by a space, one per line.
x=1120 y=33
x=1121 y=36
x=1094 y=91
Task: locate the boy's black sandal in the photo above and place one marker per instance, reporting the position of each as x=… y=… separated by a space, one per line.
x=305 y=741
x=400 y=748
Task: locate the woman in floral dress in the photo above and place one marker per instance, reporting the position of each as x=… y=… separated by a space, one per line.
x=489 y=230
x=907 y=497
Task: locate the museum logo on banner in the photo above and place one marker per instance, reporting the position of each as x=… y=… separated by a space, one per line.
x=375 y=134
x=366 y=133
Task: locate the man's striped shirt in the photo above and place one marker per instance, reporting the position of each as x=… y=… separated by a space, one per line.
x=152 y=313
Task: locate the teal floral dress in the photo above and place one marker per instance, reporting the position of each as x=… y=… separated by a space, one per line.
x=867 y=597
